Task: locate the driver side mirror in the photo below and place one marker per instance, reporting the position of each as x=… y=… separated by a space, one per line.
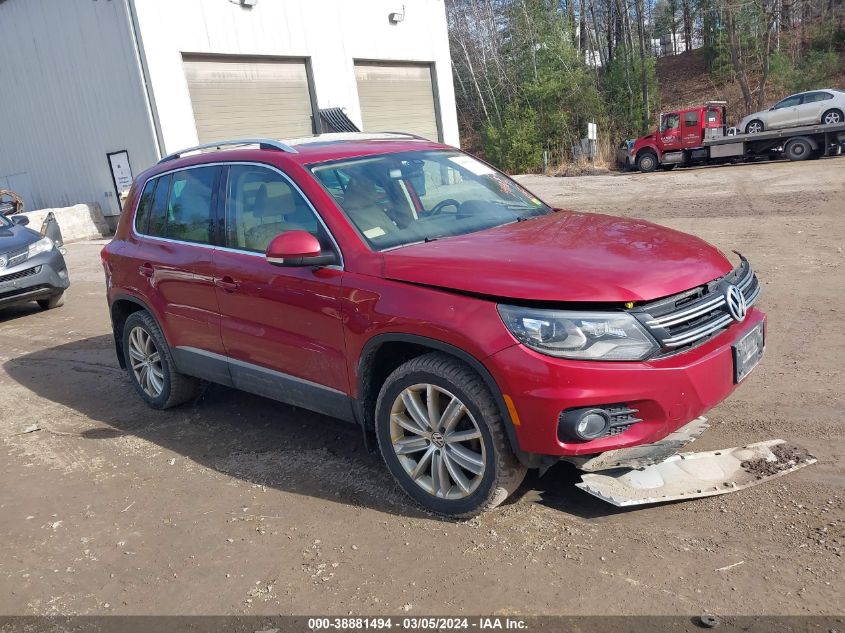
x=297 y=248
x=20 y=220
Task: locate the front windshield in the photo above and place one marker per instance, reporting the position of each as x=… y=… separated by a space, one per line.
x=409 y=197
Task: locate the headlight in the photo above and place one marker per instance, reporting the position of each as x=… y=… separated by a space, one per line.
x=579 y=335
x=44 y=245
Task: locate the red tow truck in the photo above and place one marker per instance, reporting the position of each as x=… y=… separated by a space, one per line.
x=700 y=136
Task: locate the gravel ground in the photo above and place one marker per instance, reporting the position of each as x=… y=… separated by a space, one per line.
x=238 y=505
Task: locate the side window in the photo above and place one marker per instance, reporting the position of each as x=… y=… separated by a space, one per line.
x=157 y=224
x=671 y=121
x=814 y=97
x=789 y=102
x=691 y=119
x=190 y=205
x=144 y=206
x=260 y=204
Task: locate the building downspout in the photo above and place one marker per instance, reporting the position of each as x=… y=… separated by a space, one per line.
x=152 y=110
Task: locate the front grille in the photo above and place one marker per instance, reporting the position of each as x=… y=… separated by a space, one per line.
x=13 y=258
x=20 y=274
x=688 y=319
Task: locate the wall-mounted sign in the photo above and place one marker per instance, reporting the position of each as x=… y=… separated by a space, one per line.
x=121 y=172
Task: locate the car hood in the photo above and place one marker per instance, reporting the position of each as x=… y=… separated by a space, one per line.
x=13 y=238
x=646 y=138
x=563 y=257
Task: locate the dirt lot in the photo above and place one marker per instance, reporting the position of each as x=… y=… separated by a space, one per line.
x=236 y=504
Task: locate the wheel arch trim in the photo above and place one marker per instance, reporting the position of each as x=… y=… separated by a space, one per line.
x=118 y=343
x=370 y=347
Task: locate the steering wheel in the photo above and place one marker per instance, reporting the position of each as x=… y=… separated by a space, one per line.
x=448 y=202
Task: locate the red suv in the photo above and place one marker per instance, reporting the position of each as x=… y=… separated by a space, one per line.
x=416 y=291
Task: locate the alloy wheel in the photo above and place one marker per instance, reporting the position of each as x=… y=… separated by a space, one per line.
x=832 y=117
x=145 y=361
x=437 y=441
x=755 y=127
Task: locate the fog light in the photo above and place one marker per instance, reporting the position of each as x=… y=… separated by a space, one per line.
x=591 y=424
x=583 y=424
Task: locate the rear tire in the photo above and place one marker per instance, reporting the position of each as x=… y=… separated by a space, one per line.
x=798 y=149
x=56 y=301
x=646 y=162
x=457 y=478
x=832 y=117
x=151 y=367
x=754 y=127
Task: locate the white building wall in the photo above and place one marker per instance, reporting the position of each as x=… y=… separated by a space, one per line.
x=70 y=92
x=332 y=33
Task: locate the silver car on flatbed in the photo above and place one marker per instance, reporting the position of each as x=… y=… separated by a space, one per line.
x=825 y=107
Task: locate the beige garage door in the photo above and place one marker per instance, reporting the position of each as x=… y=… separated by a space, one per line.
x=236 y=97
x=397 y=98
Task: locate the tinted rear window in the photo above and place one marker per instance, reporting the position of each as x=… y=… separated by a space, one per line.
x=189 y=205
x=179 y=206
x=144 y=206
x=157 y=225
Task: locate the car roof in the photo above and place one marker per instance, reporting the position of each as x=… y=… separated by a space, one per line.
x=806 y=92
x=305 y=151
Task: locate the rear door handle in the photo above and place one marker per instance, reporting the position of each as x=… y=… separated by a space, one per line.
x=227 y=283
x=146 y=270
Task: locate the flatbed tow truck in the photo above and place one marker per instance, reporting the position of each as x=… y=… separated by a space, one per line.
x=700 y=136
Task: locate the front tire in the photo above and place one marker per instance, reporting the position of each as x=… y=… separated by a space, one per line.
x=646 y=162
x=56 y=301
x=754 y=127
x=150 y=364
x=443 y=438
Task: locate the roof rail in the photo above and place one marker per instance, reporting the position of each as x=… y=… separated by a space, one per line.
x=263 y=143
x=406 y=134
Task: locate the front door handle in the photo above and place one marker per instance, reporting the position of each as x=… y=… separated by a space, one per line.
x=227 y=283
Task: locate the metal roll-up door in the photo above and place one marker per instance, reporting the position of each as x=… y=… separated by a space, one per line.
x=236 y=97
x=397 y=98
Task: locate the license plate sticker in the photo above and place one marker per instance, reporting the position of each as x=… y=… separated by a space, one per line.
x=748 y=351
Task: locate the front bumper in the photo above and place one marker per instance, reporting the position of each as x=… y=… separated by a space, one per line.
x=668 y=392
x=39 y=277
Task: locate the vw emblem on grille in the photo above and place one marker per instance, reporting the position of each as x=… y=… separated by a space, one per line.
x=736 y=303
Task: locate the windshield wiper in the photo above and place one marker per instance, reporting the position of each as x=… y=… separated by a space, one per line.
x=512 y=205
